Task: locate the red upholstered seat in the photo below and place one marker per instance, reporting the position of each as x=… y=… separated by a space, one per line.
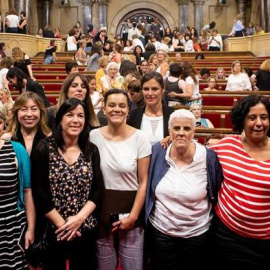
x=218 y=101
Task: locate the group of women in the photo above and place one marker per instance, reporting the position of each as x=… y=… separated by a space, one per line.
x=90 y=184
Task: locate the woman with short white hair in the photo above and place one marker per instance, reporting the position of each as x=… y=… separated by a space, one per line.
x=112 y=80
x=183 y=183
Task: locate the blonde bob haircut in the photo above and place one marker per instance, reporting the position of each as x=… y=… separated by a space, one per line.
x=21 y=101
x=234 y=63
x=182 y=114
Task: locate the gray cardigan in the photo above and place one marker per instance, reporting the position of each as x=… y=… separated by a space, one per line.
x=159 y=167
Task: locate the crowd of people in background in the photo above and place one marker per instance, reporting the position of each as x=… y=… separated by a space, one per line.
x=117 y=176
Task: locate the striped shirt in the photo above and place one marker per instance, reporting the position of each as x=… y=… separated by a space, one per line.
x=244 y=197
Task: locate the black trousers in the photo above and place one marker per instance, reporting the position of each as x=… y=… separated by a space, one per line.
x=175 y=253
x=81 y=253
x=236 y=252
x=213 y=49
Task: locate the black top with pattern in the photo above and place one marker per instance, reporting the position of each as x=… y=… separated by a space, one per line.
x=70 y=185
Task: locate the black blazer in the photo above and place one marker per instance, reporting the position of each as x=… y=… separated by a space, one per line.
x=136 y=115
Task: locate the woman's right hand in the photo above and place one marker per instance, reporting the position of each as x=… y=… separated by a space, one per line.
x=165 y=142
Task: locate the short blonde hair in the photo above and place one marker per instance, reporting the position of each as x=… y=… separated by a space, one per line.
x=234 y=63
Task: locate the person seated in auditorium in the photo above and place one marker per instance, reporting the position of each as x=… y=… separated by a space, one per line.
x=96 y=53
x=57 y=33
x=263 y=76
x=189 y=47
x=80 y=55
x=71 y=67
x=204 y=74
x=111 y=80
x=250 y=30
x=220 y=74
x=50 y=53
x=212 y=84
x=178 y=42
x=128 y=47
x=47 y=32
x=258 y=30
x=164 y=44
x=215 y=42
x=39 y=33
x=238 y=80
x=203 y=40
x=196 y=109
x=101 y=36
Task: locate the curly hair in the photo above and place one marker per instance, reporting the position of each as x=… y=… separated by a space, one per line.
x=17 y=54
x=14 y=124
x=241 y=109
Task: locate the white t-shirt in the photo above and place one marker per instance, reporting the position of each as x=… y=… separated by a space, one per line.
x=196 y=89
x=239 y=82
x=153 y=128
x=71 y=46
x=3 y=71
x=182 y=208
x=13 y=20
x=94 y=98
x=118 y=160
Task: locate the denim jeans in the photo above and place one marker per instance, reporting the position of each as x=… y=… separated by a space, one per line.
x=49 y=59
x=127 y=245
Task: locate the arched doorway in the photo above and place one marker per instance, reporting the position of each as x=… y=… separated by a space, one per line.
x=141 y=9
x=142 y=15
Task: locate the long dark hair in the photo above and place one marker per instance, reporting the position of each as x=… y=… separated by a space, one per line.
x=83 y=140
x=19 y=74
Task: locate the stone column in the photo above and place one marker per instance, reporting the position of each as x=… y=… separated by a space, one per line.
x=102 y=8
x=183 y=14
x=198 y=14
x=46 y=13
x=87 y=13
x=265 y=17
x=19 y=5
x=242 y=9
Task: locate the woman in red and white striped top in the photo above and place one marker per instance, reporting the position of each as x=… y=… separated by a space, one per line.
x=242 y=227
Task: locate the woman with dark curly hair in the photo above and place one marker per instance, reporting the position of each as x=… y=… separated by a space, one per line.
x=241 y=228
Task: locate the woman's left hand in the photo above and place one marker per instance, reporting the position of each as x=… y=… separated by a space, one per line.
x=29 y=238
x=69 y=230
x=126 y=224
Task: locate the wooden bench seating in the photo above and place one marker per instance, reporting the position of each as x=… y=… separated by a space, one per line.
x=201 y=134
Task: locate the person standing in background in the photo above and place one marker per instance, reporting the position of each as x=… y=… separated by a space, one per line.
x=238 y=27
x=22 y=23
x=12 y=21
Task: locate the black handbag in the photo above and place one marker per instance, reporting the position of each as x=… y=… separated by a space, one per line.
x=36 y=253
